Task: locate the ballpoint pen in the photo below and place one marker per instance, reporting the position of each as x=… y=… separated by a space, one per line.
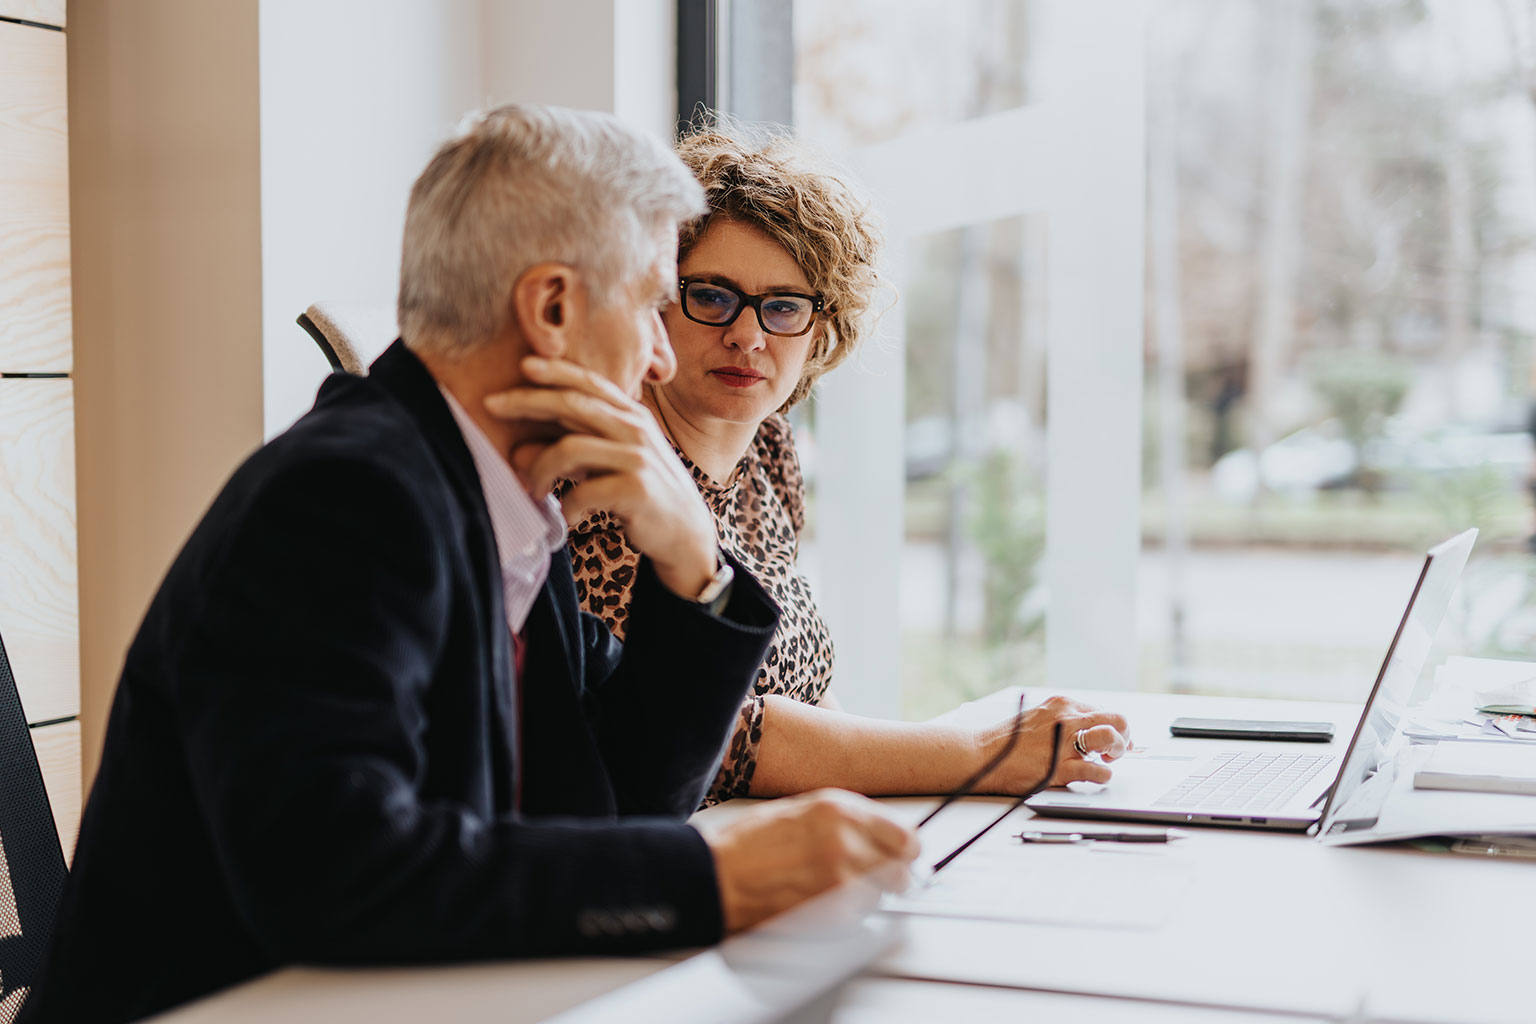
x=1161 y=836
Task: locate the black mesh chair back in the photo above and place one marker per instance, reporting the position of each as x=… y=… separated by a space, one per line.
x=32 y=870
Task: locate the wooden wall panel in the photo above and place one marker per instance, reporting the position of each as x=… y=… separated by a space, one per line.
x=58 y=754
x=34 y=216
x=39 y=601
x=43 y=12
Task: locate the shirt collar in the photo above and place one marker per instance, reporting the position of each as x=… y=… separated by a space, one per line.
x=526 y=530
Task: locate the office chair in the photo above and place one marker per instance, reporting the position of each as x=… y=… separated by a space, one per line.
x=32 y=870
x=337 y=340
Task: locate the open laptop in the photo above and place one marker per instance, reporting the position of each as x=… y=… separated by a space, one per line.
x=1287 y=787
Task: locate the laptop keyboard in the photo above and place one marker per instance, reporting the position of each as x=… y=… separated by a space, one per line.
x=1245 y=780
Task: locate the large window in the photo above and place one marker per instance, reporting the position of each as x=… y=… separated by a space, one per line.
x=1209 y=316
x=1340 y=208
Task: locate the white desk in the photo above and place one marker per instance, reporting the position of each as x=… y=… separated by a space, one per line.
x=1267 y=924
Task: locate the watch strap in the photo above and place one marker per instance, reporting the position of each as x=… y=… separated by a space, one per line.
x=717 y=592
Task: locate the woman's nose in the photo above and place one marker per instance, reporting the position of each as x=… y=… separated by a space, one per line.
x=746 y=334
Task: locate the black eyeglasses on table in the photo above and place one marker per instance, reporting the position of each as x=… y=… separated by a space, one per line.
x=971 y=783
x=783 y=314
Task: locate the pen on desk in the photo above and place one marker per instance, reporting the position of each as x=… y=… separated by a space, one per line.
x=1163 y=836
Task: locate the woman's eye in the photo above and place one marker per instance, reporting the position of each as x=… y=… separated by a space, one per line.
x=712 y=297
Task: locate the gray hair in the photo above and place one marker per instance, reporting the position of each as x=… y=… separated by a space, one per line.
x=525 y=184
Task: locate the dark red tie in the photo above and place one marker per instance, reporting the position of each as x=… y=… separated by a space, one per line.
x=519 y=658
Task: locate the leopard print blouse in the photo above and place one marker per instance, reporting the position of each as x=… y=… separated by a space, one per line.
x=758 y=517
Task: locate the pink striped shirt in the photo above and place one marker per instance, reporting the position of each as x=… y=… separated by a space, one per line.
x=526 y=531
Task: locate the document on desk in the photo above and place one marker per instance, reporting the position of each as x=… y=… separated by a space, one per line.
x=1410 y=813
x=1084 y=886
x=1479 y=768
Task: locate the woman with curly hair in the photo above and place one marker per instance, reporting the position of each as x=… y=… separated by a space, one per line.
x=775 y=284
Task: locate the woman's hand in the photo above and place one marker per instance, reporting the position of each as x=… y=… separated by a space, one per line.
x=1105 y=735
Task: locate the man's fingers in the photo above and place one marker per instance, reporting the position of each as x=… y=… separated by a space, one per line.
x=610 y=493
x=891 y=875
x=870 y=823
x=575 y=457
x=562 y=373
x=572 y=411
x=891 y=838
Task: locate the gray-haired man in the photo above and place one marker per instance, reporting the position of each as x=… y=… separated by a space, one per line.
x=364 y=720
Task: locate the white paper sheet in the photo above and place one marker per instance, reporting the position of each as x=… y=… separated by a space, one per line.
x=1095 y=885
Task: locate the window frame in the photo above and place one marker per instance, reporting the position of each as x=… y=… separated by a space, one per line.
x=1090 y=186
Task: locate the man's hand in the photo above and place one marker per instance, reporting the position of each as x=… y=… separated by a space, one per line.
x=772 y=857
x=611 y=446
x=1105 y=734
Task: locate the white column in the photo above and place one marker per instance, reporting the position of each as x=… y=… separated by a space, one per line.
x=645 y=65
x=1095 y=76
x=861 y=481
x=353 y=103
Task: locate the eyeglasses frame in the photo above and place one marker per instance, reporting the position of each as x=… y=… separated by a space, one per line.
x=755 y=301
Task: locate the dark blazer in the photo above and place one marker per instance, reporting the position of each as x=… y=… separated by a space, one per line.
x=318 y=751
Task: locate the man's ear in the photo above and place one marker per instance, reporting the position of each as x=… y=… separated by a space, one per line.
x=544 y=300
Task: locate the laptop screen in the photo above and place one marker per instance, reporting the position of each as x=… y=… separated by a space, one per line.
x=1356 y=799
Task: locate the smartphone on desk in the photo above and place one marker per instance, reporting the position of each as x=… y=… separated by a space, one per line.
x=1251 y=729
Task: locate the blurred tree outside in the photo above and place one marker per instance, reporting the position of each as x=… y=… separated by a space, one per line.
x=1345 y=184
x=1008 y=528
x=1361 y=388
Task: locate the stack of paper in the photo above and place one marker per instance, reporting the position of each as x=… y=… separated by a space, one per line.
x=1411 y=813
x=1479 y=768
x=1464 y=684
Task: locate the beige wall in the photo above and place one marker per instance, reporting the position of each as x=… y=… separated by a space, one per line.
x=164 y=160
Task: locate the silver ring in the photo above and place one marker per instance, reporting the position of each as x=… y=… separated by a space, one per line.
x=1077 y=744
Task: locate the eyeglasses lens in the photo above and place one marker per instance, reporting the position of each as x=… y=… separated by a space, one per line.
x=785 y=314
x=711 y=303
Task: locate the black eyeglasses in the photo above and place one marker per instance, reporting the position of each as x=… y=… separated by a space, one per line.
x=971 y=783
x=783 y=314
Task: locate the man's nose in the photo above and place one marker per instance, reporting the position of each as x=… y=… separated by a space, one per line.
x=663 y=360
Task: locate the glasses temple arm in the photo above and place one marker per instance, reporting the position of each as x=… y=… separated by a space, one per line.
x=1046 y=781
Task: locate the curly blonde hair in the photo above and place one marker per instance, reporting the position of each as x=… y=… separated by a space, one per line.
x=769 y=181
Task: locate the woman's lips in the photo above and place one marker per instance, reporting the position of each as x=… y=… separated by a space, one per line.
x=737 y=376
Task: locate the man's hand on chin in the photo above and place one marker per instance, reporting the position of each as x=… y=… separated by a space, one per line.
x=610 y=445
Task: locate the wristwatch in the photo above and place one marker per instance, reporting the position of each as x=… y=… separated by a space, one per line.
x=717 y=591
